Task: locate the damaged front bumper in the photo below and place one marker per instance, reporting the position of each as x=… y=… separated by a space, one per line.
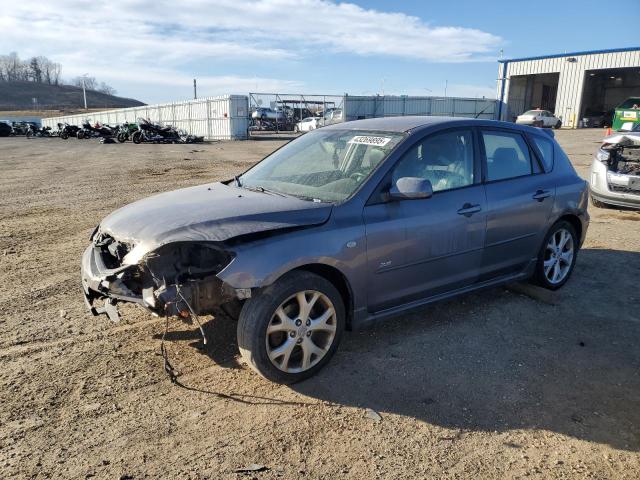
x=136 y=284
x=615 y=178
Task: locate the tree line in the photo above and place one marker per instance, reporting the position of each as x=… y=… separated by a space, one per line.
x=40 y=69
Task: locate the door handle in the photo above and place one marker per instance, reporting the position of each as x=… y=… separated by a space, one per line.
x=540 y=195
x=467 y=209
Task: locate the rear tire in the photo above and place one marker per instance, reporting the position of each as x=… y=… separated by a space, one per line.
x=561 y=259
x=122 y=137
x=137 y=138
x=80 y=135
x=275 y=324
x=64 y=135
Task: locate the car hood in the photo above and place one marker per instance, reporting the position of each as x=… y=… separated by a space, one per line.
x=212 y=212
x=625 y=139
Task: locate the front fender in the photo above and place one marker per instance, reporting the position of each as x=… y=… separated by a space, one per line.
x=260 y=263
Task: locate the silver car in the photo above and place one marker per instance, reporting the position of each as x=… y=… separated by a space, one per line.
x=346 y=225
x=539 y=118
x=615 y=171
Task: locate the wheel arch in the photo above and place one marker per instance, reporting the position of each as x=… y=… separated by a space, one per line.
x=338 y=279
x=575 y=222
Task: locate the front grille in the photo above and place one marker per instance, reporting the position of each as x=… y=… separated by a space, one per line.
x=623 y=189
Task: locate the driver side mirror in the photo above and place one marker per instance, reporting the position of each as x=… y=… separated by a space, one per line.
x=410 y=188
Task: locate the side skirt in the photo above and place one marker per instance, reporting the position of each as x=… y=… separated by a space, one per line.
x=368 y=321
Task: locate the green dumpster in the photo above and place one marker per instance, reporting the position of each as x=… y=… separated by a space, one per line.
x=627 y=114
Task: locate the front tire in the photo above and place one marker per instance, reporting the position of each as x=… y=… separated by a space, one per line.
x=557 y=256
x=557 y=125
x=289 y=330
x=80 y=135
x=137 y=137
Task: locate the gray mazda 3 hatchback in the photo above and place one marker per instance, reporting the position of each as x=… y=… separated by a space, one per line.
x=344 y=226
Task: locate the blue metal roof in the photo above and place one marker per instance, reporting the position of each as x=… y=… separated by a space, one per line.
x=570 y=54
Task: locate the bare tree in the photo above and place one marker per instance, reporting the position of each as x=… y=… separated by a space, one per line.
x=14 y=67
x=109 y=90
x=55 y=71
x=38 y=69
x=35 y=70
x=3 y=68
x=90 y=83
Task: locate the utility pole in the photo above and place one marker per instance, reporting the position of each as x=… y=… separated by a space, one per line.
x=195 y=90
x=84 y=91
x=445 y=88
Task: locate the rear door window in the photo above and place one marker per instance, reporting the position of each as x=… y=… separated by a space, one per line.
x=507 y=155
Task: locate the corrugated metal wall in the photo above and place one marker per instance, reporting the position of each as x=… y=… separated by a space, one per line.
x=358 y=107
x=571 y=82
x=215 y=118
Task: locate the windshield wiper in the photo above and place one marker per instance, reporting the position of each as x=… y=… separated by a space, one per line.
x=236 y=179
x=261 y=189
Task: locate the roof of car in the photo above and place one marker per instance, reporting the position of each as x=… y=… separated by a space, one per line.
x=406 y=123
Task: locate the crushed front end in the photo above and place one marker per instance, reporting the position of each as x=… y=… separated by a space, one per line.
x=174 y=279
x=615 y=174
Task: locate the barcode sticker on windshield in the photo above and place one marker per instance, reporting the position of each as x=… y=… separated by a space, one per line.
x=367 y=140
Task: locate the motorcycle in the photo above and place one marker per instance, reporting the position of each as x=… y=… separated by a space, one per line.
x=21 y=128
x=67 y=130
x=155 y=133
x=125 y=131
x=97 y=130
x=35 y=131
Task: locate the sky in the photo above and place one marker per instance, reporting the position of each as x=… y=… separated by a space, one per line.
x=152 y=50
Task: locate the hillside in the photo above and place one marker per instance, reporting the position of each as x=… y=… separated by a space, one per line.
x=20 y=95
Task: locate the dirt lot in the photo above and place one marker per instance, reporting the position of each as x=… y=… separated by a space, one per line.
x=493 y=384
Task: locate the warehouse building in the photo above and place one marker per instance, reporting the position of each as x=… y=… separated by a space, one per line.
x=582 y=88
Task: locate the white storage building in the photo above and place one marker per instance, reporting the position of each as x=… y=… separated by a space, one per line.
x=575 y=86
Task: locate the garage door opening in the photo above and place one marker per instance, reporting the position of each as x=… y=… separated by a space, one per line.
x=528 y=92
x=604 y=90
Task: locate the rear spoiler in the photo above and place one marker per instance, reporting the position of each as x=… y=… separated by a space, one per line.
x=548 y=131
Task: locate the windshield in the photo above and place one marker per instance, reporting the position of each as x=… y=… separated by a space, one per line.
x=326 y=165
x=532 y=112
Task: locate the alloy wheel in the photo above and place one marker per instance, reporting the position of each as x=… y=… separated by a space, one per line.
x=301 y=331
x=558 y=256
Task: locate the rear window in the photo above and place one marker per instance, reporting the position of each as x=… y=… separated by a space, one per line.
x=545 y=146
x=532 y=112
x=633 y=102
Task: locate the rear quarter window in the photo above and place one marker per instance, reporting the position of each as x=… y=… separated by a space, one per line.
x=545 y=147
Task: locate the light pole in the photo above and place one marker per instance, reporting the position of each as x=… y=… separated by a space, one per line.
x=445 y=88
x=84 y=91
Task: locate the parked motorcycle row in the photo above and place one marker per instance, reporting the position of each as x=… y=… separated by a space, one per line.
x=144 y=131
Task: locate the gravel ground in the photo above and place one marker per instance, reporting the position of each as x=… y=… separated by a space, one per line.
x=492 y=384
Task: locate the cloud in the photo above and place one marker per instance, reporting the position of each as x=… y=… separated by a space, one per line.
x=132 y=38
